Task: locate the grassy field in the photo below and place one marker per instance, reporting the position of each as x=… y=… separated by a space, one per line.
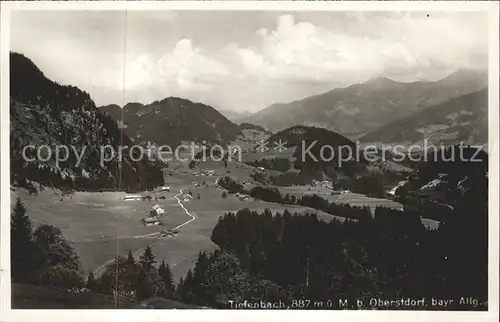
x=87 y=216
x=36 y=297
x=96 y=252
x=180 y=252
x=98 y=223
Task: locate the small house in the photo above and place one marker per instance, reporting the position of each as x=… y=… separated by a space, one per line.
x=150 y=221
x=157 y=211
x=132 y=197
x=241 y=196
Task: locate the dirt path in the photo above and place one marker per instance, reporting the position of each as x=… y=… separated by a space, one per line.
x=185 y=210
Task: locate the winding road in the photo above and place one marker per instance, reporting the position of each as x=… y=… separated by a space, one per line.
x=101 y=269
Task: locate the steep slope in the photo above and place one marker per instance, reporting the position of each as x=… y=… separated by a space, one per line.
x=43 y=112
x=464 y=118
x=173 y=120
x=361 y=108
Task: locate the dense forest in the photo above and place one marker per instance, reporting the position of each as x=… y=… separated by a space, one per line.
x=390 y=256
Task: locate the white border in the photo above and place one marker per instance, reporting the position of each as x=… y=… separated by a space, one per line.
x=234 y=315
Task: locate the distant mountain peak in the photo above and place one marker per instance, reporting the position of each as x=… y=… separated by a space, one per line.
x=466 y=75
x=380 y=80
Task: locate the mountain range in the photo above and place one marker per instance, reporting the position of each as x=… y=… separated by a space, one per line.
x=361 y=108
x=44 y=112
x=173 y=120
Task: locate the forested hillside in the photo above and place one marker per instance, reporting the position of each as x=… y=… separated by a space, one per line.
x=43 y=112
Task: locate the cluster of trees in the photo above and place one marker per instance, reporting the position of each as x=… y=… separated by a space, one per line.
x=41 y=256
x=278 y=164
x=266 y=194
x=261 y=177
x=300 y=178
x=140 y=278
x=285 y=256
x=312 y=201
x=340 y=210
x=371 y=185
x=192 y=164
x=219 y=277
x=230 y=185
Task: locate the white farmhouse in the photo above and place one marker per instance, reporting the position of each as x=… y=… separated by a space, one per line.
x=157 y=211
x=132 y=197
x=150 y=221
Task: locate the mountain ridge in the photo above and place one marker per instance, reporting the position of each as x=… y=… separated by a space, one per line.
x=463 y=118
x=362 y=107
x=173 y=120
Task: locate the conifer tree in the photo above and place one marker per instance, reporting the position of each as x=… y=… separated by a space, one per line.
x=179 y=289
x=23 y=250
x=130 y=258
x=147 y=258
x=168 y=279
x=187 y=288
x=91 y=281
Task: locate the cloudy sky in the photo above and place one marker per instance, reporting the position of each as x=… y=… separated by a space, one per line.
x=243 y=60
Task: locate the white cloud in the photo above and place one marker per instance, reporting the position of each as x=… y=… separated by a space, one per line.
x=262 y=65
x=301 y=50
x=189 y=66
x=184 y=71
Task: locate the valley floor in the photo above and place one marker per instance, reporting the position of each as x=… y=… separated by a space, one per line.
x=102 y=225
